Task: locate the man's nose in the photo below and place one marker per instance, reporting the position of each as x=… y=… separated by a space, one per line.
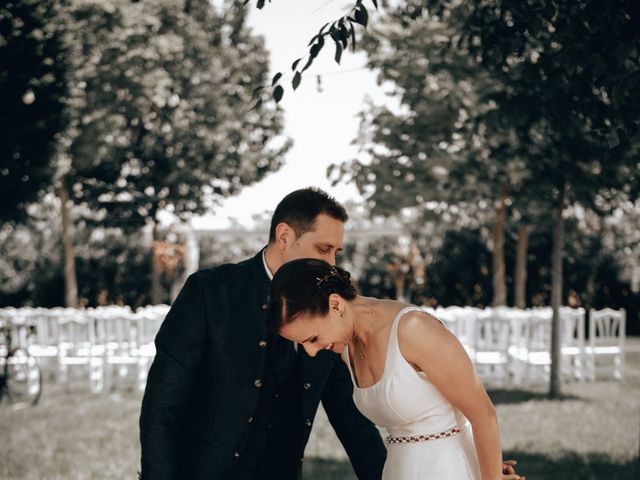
x=331 y=259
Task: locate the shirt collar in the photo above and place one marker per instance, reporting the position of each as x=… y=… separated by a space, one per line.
x=264 y=262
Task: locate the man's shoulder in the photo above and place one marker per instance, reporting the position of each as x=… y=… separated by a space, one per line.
x=226 y=271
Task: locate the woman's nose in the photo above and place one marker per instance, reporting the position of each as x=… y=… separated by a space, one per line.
x=310 y=349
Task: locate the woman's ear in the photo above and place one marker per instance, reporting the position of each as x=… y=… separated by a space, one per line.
x=336 y=303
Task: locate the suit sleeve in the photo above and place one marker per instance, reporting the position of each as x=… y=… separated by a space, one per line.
x=179 y=345
x=358 y=435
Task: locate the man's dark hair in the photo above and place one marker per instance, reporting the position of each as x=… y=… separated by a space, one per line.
x=300 y=208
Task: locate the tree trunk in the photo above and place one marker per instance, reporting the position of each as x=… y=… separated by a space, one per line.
x=156 y=285
x=70 y=279
x=555 y=387
x=520 y=299
x=497 y=259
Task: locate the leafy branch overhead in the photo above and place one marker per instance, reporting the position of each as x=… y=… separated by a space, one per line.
x=341 y=32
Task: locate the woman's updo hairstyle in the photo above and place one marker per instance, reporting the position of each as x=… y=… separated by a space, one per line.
x=303 y=287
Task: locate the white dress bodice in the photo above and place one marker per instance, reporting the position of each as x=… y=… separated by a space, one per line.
x=406 y=404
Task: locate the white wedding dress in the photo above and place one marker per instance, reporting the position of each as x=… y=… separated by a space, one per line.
x=406 y=404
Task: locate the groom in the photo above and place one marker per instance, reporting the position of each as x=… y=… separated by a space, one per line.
x=227 y=400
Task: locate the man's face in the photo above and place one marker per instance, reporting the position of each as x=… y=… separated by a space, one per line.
x=323 y=241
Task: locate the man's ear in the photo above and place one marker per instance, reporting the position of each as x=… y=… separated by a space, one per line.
x=285 y=236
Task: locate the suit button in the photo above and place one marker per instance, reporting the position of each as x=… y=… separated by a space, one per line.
x=257 y=383
x=250 y=419
x=263 y=307
x=262 y=343
x=307 y=422
x=306 y=386
x=236 y=454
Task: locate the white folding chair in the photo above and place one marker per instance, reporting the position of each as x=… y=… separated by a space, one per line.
x=607 y=330
x=490 y=348
x=572 y=321
x=77 y=347
x=116 y=340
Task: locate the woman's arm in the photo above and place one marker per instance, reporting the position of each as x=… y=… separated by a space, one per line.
x=430 y=347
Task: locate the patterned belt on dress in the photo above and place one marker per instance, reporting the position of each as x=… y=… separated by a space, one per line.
x=424 y=438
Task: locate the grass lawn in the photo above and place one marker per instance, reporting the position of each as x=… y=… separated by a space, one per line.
x=593 y=433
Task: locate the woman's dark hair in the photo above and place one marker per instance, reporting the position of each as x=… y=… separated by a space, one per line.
x=302 y=287
x=300 y=208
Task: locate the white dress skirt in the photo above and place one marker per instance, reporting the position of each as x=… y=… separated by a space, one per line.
x=406 y=404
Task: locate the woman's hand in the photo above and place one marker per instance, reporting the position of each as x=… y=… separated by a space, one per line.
x=509 y=471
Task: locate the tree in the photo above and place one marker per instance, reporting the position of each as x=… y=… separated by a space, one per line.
x=574 y=78
x=450 y=143
x=160 y=110
x=32 y=88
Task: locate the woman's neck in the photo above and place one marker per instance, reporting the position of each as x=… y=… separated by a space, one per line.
x=366 y=319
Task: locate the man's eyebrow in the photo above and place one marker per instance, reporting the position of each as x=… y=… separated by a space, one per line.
x=328 y=244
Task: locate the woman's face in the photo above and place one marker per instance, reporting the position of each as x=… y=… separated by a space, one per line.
x=317 y=333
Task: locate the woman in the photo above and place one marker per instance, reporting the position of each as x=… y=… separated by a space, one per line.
x=411 y=375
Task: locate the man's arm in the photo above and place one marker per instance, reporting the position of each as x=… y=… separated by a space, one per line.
x=359 y=436
x=179 y=346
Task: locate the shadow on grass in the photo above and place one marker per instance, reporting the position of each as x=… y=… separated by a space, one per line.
x=535 y=467
x=520 y=396
x=574 y=467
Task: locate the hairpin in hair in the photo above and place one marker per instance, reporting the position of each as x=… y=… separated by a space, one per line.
x=333 y=272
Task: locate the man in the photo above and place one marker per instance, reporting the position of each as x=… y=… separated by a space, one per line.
x=225 y=399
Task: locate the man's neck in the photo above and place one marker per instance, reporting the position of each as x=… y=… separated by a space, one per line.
x=272 y=257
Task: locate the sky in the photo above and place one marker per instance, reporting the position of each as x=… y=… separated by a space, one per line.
x=322 y=124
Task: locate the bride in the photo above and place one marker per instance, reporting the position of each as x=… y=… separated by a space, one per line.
x=410 y=374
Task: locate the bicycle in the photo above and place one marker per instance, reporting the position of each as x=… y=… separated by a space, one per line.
x=20 y=374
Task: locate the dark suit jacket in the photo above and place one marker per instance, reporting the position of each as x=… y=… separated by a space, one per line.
x=204 y=383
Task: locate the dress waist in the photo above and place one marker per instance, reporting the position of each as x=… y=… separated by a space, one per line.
x=423 y=438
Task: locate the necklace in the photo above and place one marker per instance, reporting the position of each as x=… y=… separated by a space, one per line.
x=361 y=353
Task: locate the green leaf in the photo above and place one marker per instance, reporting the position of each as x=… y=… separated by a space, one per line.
x=276 y=77
x=256 y=92
x=296 y=80
x=362 y=16
x=313 y=52
x=375 y=3
x=260 y=4
x=278 y=92
x=338 y=52
x=335 y=34
x=344 y=35
x=257 y=105
x=309 y=62
x=294 y=65
x=313 y=39
x=323 y=27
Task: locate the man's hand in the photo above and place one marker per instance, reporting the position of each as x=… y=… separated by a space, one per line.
x=509 y=472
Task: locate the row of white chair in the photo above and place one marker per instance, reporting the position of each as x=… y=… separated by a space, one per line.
x=508 y=346
x=513 y=346
x=106 y=343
